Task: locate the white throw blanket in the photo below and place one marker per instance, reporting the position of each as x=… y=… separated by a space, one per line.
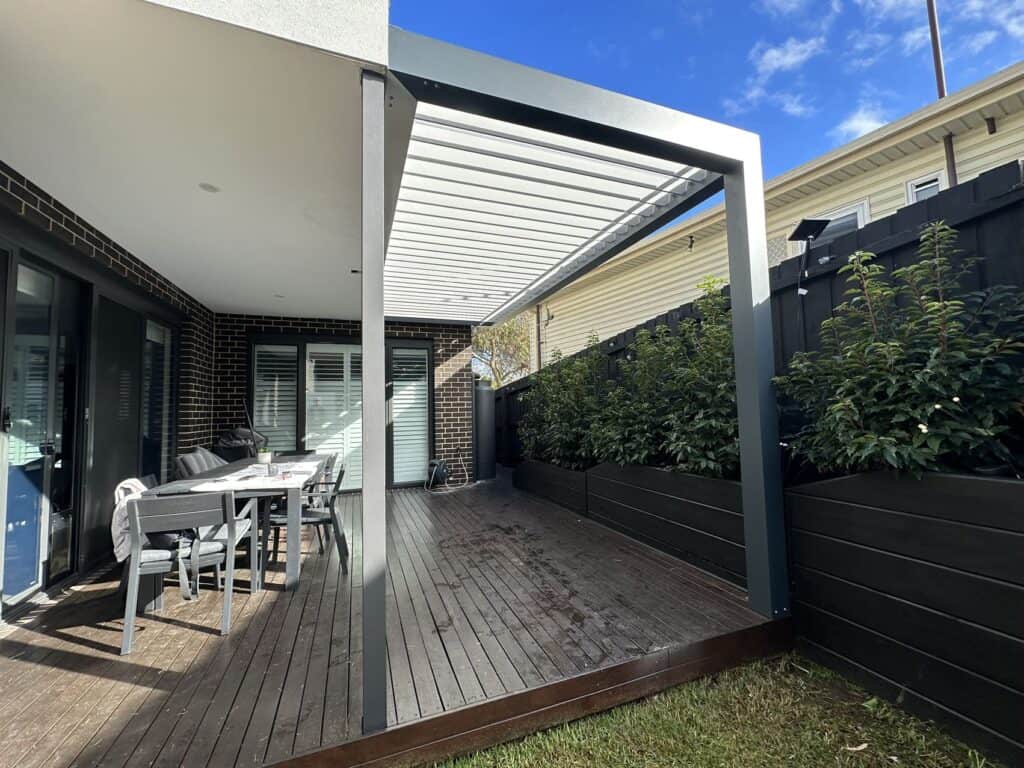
x=127 y=490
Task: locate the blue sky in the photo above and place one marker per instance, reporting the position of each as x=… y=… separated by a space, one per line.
x=808 y=75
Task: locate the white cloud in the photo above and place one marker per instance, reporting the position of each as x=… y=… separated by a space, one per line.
x=794 y=105
x=782 y=7
x=892 y=9
x=1008 y=15
x=786 y=57
x=979 y=41
x=867 y=117
x=866 y=48
x=768 y=61
x=915 y=39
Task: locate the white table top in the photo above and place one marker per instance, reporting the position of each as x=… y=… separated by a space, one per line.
x=290 y=474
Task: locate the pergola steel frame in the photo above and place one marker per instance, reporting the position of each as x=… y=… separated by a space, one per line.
x=444 y=75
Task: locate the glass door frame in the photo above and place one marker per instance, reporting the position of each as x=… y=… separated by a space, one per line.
x=18 y=258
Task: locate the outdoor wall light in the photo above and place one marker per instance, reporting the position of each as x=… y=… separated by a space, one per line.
x=807 y=231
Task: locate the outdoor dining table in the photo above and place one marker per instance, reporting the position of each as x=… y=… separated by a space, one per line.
x=250 y=480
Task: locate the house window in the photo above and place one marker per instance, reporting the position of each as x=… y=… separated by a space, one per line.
x=842 y=221
x=925 y=187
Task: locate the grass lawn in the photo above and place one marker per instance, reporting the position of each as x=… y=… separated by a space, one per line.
x=786 y=712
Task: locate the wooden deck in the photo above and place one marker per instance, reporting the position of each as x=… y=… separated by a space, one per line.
x=491 y=592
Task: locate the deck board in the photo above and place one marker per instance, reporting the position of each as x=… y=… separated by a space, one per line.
x=489 y=592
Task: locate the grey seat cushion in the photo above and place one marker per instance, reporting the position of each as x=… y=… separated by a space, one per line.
x=205 y=548
x=157 y=555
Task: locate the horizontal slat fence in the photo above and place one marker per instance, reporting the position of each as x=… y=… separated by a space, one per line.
x=916 y=587
x=694 y=518
x=988 y=212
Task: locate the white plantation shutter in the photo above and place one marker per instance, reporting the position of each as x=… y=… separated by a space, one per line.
x=409 y=415
x=275 y=392
x=334 y=406
x=354 y=423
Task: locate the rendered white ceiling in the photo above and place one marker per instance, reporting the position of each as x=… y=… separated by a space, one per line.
x=121 y=109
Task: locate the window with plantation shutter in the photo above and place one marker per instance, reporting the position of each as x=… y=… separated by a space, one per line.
x=334 y=406
x=275 y=394
x=308 y=396
x=410 y=403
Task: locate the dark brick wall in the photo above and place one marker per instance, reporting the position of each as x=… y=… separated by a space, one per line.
x=35 y=205
x=453 y=376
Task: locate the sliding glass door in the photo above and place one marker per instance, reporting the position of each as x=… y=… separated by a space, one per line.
x=308 y=395
x=409 y=415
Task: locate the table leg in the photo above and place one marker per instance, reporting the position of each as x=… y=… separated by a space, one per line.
x=294 y=549
x=255 y=561
x=151 y=593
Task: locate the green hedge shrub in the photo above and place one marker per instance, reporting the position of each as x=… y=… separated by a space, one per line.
x=703 y=429
x=675 y=401
x=560 y=407
x=632 y=425
x=915 y=373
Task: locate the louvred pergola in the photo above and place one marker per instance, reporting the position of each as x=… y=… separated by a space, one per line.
x=432 y=183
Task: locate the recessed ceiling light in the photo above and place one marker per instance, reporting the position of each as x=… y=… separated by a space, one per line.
x=208 y=187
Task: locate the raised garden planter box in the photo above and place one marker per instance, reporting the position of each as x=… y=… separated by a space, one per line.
x=916 y=587
x=567 y=487
x=698 y=519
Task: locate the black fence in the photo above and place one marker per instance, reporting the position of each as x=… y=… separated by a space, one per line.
x=988 y=212
x=915 y=588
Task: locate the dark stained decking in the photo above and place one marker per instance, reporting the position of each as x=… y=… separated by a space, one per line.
x=490 y=592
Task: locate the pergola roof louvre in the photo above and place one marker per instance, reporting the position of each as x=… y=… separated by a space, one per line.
x=489 y=213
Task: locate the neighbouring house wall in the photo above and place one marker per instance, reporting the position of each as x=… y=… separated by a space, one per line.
x=453 y=375
x=645 y=283
x=195 y=354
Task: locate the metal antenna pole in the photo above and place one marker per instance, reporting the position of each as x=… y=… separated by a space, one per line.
x=940 y=86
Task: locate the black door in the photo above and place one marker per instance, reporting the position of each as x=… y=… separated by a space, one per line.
x=116 y=421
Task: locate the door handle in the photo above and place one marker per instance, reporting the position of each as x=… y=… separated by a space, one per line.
x=47 y=449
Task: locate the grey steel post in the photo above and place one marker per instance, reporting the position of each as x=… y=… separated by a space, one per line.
x=374 y=542
x=763 y=516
